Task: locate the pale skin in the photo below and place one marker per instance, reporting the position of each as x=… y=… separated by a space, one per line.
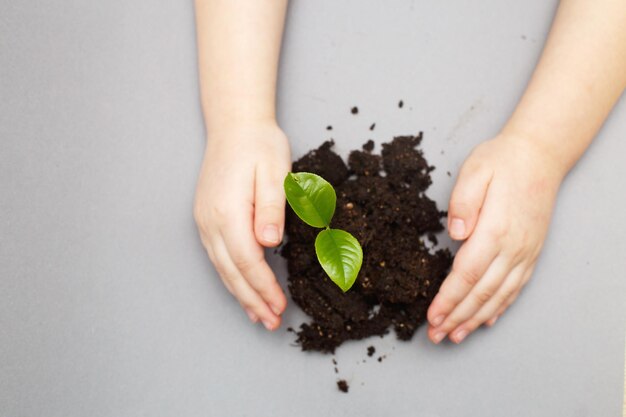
x=504 y=194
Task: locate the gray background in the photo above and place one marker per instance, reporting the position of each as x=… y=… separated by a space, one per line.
x=108 y=305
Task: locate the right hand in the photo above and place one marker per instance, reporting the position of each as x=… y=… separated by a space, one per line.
x=240 y=208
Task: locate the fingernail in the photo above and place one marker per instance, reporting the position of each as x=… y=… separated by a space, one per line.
x=438 y=337
x=275 y=309
x=438 y=320
x=460 y=335
x=493 y=321
x=270 y=233
x=268 y=325
x=253 y=317
x=457 y=228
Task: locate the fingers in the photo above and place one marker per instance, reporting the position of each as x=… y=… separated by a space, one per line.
x=238 y=286
x=249 y=259
x=483 y=293
x=269 y=205
x=240 y=262
x=510 y=300
x=503 y=308
x=507 y=292
x=470 y=264
x=489 y=313
x=467 y=199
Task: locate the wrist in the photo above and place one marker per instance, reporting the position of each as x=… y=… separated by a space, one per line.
x=230 y=112
x=235 y=126
x=553 y=160
x=249 y=136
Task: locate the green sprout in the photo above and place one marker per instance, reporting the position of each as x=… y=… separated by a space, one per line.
x=313 y=199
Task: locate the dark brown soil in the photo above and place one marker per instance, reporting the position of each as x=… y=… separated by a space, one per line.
x=381 y=201
x=342 y=385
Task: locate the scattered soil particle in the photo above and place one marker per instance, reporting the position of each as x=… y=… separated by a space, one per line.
x=380 y=358
x=401 y=104
x=343 y=385
x=380 y=200
x=336 y=370
x=334 y=361
x=329 y=127
x=448 y=173
x=371 y=350
x=355 y=110
x=372 y=126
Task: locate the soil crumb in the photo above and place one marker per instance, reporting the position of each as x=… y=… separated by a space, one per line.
x=355 y=110
x=371 y=350
x=329 y=127
x=400 y=104
x=380 y=200
x=372 y=126
x=343 y=385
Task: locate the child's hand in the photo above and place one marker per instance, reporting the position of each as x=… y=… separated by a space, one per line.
x=501 y=203
x=240 y=208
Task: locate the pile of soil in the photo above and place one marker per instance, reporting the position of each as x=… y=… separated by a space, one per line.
x=381 y=201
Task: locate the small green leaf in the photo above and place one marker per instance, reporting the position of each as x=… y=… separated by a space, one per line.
x=311 y=197
x=340 y=255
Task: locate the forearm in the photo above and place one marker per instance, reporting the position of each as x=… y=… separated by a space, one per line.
x=580 y=76
x=238 y=52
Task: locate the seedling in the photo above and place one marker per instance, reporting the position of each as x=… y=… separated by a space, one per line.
x=313 y=199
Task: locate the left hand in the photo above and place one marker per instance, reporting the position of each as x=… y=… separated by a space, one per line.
x=501 y=205
x=240 y=208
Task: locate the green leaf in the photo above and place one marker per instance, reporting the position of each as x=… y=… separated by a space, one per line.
x=340 y=255
x=311 y=197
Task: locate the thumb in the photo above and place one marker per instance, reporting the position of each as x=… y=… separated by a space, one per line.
x=269 y=205
x=466 y=200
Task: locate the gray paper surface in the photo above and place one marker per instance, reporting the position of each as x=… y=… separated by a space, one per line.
x=108 y=305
